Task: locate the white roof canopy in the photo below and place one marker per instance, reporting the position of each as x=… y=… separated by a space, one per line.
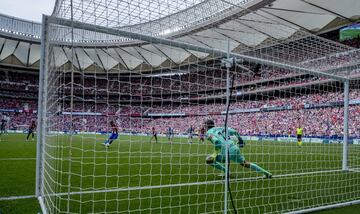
x=271 y=24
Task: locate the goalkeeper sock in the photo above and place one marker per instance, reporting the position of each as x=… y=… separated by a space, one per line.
x=257 y=168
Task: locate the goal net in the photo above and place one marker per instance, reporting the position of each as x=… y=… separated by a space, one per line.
x=153 y=72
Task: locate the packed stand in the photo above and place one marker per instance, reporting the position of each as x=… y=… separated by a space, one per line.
x=315 y=121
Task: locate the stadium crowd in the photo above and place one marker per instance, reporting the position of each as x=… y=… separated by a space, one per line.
x=18 y=92
x=140 y=85
x=326 y=120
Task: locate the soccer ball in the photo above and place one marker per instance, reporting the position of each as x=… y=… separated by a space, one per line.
x=234 y=139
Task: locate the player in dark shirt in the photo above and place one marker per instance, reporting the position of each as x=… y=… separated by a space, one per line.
x=154 y=135
x=31 y=130
x=2 y=127
x=202 y=135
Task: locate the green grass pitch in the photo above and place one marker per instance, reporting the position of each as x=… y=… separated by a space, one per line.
x=303 y=177
x=349 y=34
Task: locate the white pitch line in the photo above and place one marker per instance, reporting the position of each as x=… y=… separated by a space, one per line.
x=167 y=155
x=10 y=198
x=95 y=157
x=16 y=159
x=354 y=170
x=187 y=184
x=166 y=186
x=125 y=157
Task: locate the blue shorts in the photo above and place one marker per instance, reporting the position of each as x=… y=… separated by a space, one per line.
x=113 y=136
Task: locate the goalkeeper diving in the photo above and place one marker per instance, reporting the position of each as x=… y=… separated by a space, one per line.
x=216 y=135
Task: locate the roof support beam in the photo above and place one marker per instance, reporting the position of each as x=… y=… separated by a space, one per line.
x=143 y=57
x=158 y=49
x=122 y=59
x=255 y=29
x=28 y=55
x=216 y=52
x=239 y=12
x=327 y=10
x=265 y=10
x=2 y=47
x=217 y=31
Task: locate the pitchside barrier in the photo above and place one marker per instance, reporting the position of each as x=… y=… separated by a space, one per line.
x=251 y=138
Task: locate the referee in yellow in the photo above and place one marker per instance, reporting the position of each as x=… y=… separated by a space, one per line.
x=299 y=134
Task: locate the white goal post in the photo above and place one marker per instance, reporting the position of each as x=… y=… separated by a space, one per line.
x=141 y=81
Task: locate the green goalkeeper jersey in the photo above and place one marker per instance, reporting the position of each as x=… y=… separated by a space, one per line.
x=216 y=136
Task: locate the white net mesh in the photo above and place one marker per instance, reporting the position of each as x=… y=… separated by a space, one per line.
x=159 y=95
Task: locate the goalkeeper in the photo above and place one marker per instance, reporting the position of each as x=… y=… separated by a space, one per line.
x=216 y=135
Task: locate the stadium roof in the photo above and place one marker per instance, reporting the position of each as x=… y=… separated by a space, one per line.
x=250 y=25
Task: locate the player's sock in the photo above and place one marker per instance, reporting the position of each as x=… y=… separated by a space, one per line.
x=257 y=168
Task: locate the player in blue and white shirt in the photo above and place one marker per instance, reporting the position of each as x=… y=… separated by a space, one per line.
x=170 y=134
x=114 y=134
x=190 y=132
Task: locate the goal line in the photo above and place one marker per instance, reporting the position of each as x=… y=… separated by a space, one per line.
x=160 y=155
x=9 y=198
x=188 y=184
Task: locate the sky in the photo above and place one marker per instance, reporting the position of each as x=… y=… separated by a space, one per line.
x=27 y=9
